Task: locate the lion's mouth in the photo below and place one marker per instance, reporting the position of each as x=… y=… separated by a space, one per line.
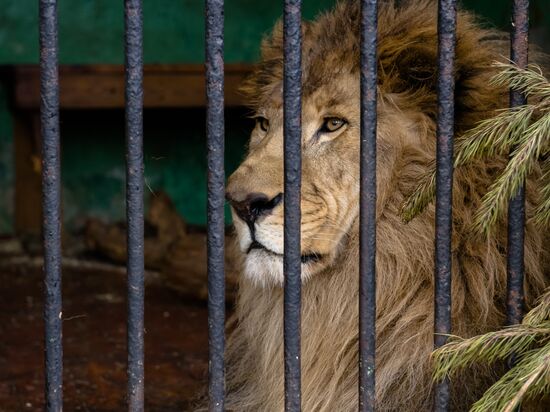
x=306 y=258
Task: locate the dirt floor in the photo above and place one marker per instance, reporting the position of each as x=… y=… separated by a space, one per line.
x=95 y=343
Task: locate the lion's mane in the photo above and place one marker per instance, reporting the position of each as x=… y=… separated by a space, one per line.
x=407 y=50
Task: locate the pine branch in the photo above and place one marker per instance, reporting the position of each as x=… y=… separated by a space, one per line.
x=493 y=136
x=521 y=163
x=540 y=313
x=542 y=212
x=461 y=353
x=525 y=130
x=529 y=378
x=529 y=81
x=421 y=197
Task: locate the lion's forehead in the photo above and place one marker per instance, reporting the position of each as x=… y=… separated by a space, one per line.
x=339 y=93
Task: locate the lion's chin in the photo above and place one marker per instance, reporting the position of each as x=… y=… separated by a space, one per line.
x=265 y=268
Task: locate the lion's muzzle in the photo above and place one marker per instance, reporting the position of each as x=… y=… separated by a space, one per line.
x=251 y=206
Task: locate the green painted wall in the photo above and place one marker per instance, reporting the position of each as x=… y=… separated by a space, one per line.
x=93 y=142
x=175 y=160
x=91 y=31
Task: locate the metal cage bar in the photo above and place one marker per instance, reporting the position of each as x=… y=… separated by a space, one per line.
x=446 y=27
x=51 y=174
x=215 y=130
x=134 y=201
x=51 y=198
x=292 y=91
x=367 y=247
x=516 y=207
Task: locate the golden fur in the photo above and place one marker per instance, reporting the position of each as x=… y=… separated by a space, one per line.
x=330 y=191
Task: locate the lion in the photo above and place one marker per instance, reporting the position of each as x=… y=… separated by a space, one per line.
x=407 y=106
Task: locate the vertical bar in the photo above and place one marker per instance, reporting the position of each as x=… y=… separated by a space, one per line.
x=215 y=131
x=516 y=207
x=367 y=244
x=444 y=183
x=51 y=203
x=292 y=90
x=134 y=200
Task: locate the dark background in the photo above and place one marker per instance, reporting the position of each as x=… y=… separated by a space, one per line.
x=91 y=32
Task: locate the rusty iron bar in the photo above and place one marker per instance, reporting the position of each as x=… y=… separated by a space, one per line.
x=516 y=207
x=367 y=242
x=134 y=201
x=446 y=27
x=292 y=91
x=51 y=204
x=215 y=131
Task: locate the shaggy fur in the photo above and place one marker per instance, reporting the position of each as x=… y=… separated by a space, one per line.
x=330 y=190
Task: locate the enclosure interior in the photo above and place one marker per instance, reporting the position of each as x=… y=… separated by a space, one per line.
x=93 y=176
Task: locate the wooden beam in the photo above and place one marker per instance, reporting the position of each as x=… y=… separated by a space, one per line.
x=102 y=86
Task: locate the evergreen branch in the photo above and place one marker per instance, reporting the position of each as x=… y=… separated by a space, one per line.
x=529 y=378
x=492 y=136
x=516 y=400
x=461 y=353
x=525 y=130
x=529 y=342
x=520 y=165
x=421 y=197
x=496 y=135
x=529 y=81
x=540 y=313
x=542 y=212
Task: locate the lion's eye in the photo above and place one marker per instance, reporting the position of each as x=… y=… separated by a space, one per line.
x=332 y=124
x=262 y=123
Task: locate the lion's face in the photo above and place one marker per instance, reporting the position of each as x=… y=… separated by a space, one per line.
x=330 y=182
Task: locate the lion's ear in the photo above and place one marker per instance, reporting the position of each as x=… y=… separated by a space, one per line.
x=267 y=74
x=272 y=44
x=409 y=64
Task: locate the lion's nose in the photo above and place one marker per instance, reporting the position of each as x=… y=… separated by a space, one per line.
x=253 y=205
